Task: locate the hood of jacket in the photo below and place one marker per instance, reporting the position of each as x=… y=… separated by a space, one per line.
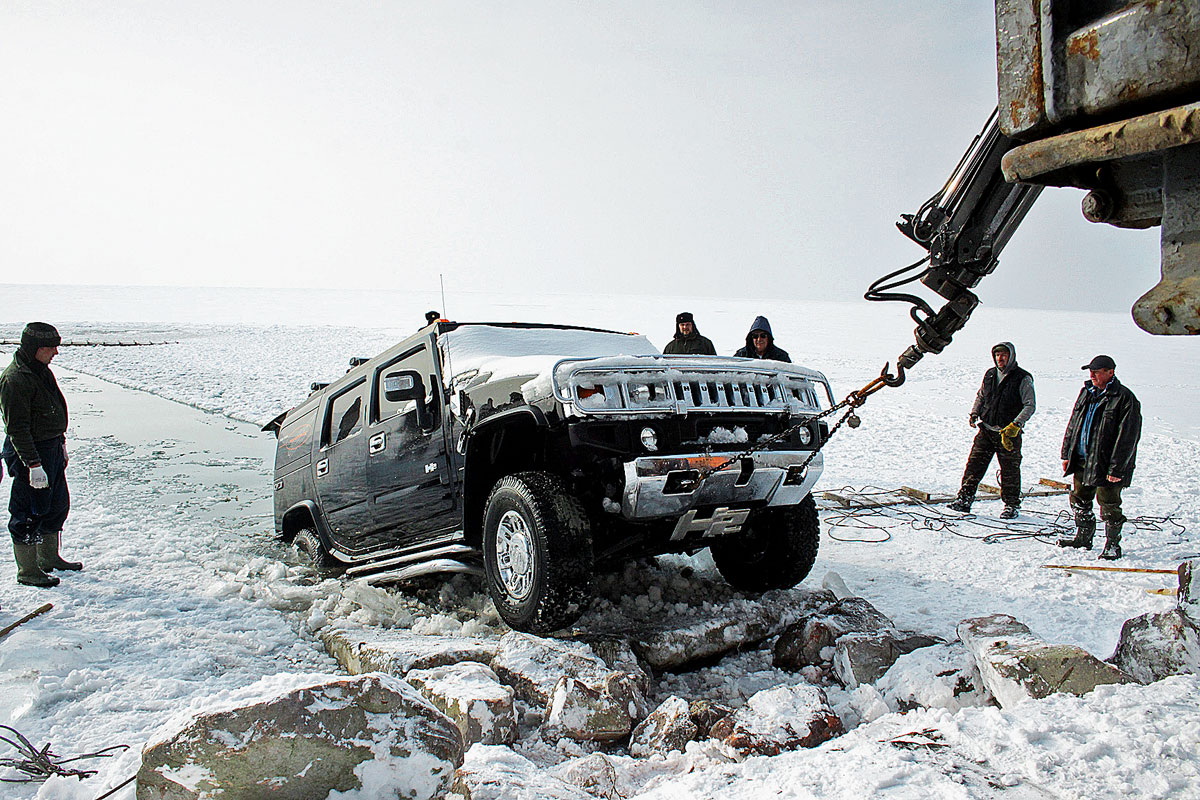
x=1012 y=356
x=760 y=324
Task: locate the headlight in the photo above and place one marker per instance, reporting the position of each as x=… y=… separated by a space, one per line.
x=650 y=439
x=805 y=436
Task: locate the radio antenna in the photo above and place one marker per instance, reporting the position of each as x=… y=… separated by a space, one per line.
x=442 y=283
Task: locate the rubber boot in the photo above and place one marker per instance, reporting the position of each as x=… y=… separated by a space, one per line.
x=1085 y=531
x=28 y=571
x=1112 y=541
x=963 y=503
x=48 y=557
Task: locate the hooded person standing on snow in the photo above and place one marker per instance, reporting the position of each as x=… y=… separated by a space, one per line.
x=760 y=343
x=1099 y=449
x=35 y=451
x=687 y=340
x=1003 y=404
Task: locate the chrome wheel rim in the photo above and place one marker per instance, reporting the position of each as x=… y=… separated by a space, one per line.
x=514 y=555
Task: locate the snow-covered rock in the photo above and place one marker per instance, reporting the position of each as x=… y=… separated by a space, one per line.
x=805 y=642
x=533 y=665
x=780 y=719
x=306 y=736
x=471 y=695
x=940 y=676
x=398 y=650
x=496 y=772
x=1189 y=590
x=860 y=658
x=668 y=727
x=1153 y=646
x=707 y=713
x=1016 y=665
x=595 y=774
x=580 y=712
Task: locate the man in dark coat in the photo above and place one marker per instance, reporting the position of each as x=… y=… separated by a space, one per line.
x=760 y=343
x=1004 y=403
x=687 y=340
x=35 y=423
x=1099 y=449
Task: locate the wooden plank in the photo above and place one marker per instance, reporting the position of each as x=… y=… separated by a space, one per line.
x=844 y=502
x=987 y=488
x=1055 y=484
x=41 y=610
x=1090 y=568
x=924 y=497
x=1165 y=592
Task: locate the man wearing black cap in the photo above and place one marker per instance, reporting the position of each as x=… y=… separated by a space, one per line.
x=35 y=424
x=1099 y=449
x=688 y=341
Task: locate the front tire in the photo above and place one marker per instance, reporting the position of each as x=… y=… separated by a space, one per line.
x=775 y=550
x=537 y=552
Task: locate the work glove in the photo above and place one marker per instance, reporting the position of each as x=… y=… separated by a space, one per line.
x=1009 y=434
x=37 y=478
x=973 y=420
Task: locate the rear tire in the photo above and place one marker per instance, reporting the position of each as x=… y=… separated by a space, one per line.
x=775 y=550
x=309 y=546
x=537 y=552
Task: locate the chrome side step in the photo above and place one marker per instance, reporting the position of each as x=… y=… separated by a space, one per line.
x=439 y=565
x=453 y=551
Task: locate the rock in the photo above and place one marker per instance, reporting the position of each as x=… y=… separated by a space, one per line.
x=938 y=676
x=470 y=694
x=706 y=713
x=618 y=656
x=496 y=772
x=579 y=712
x=1016 y=665
x=1154 y=646
x=780 y=719
x=533 y=665
x=595 y=774
x=303 y=737
x=864 y=657
x=804 y=642
x=668 y=727
x=1189 y=591
x=396 y=650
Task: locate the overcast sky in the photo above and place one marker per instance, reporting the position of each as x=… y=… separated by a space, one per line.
x=757 y=149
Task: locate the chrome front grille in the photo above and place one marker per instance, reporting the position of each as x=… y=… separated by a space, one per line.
x=679 y=390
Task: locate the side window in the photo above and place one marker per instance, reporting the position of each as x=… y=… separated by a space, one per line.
x=418 y=360
x=346 y=415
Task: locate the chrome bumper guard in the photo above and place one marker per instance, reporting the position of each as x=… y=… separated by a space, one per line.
x=659 y=486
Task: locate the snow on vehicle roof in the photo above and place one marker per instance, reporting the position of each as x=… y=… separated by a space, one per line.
x=475 y=353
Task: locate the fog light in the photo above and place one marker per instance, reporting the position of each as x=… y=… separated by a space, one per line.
x=805 y=436
x=650 y=439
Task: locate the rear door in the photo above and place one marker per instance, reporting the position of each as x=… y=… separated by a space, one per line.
x=341 y=468
x=410 y=476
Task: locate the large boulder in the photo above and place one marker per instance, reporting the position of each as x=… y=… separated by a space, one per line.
x=939 y=676
x=580 y=712
x=1016 y=665
x=398 y=650
x=860 y=658
x=779 y=719
x=810 y=640
x=300 y=737
x=1154 y=646
x=533 y=665
x=470 y=694
x=496 y=772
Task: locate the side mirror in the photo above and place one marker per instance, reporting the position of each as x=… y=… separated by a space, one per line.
x=404 y=385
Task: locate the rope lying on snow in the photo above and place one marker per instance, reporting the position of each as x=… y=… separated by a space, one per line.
x=38 y=765
x=879 y=520
x=93 y=344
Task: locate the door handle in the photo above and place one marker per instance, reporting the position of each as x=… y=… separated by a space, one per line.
x=376 y=444
x=322 y=467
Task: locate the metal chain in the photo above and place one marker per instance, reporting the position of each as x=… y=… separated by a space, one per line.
x=853 y=400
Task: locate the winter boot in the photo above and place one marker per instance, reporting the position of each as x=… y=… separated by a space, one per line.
x=1085 y=530
x=1112 y=541
x=1010 y=512
x=28 y=571
x=963 y=503
x=48 y=557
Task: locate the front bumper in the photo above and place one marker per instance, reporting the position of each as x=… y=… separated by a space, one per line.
x=662 y=486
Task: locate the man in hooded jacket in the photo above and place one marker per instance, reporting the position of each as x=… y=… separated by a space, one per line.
x=1100 y=449
x=35 y=422
x=760 y=343
x=687 y=340
x=1003 y=404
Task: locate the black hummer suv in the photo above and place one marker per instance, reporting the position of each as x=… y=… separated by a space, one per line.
x=538 y=453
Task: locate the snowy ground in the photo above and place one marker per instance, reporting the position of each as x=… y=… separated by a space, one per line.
x=185 y=595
